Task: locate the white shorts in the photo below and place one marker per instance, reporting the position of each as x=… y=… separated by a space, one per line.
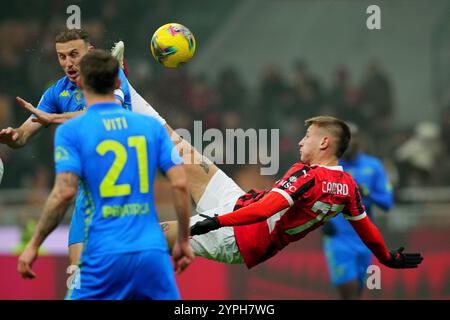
x=220 y=197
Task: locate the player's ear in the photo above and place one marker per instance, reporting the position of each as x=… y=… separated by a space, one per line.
x=118 y=83
x=325 y=142
x=91 y=48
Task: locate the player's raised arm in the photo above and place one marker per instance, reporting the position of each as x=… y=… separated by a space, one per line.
x=46 y=118
x=18 y=137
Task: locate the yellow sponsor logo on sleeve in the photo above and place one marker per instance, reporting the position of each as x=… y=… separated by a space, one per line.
x=61 y=154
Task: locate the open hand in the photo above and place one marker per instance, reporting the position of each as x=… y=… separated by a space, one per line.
x=8 y=135
x=41 y=117
x=400 y=260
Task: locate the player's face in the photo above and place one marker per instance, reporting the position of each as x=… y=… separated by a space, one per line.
x=69 y=56
x=310 y=145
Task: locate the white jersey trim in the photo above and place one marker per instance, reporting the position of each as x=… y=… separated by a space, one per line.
x=285 y=195
x=119 y=93
x=337 y=168
x=355 y=218
x=272 y=220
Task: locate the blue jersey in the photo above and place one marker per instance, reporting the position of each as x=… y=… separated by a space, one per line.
x=346 y=255
x=115 y=154
x=64 y=96
x=368 y=172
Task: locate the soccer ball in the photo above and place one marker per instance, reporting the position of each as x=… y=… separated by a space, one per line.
x=172 y=45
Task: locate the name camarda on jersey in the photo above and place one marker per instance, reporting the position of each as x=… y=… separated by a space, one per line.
x=335 y=188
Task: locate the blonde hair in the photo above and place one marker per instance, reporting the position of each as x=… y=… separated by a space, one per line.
x=338 y=129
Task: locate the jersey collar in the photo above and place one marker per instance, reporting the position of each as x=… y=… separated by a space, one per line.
x=337 y=168
x=104 y=106
x=70 y=85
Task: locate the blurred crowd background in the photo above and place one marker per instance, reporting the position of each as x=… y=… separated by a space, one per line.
x=276 y=98
x=233 y=83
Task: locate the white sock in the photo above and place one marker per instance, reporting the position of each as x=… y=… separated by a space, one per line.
x=139 y=105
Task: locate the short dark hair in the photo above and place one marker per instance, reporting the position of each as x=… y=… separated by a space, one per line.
x=99 y=71
x=338 y=129
x=66 y=35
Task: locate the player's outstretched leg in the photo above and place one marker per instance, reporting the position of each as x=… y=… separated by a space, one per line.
x=199 y=169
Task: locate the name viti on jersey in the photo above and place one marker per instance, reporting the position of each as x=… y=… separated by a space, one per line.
x=335 y=188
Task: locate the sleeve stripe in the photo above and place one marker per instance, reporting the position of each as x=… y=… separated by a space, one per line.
x=358 y=200
x=285 y=195
x=304 y=188
x=356 y=218
x=120 y=94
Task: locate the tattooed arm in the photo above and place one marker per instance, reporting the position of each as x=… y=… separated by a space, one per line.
x=56 y=206
x=63 y=192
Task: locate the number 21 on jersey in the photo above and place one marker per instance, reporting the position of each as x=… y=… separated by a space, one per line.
x=108 y=186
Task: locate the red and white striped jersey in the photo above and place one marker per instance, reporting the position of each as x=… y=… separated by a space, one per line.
x=315 y=195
